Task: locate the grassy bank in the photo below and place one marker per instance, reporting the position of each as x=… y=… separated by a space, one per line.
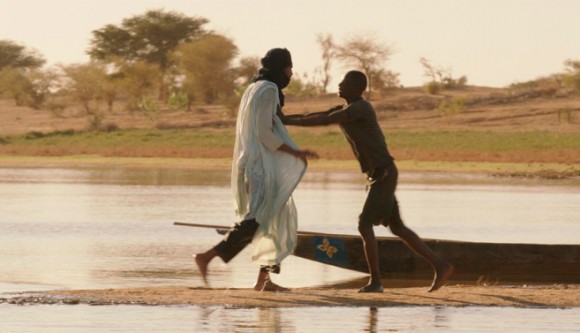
x=320 y=165
x=330 y=138
x=463 y=151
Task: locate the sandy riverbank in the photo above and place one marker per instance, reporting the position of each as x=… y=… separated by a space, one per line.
x=559 y=296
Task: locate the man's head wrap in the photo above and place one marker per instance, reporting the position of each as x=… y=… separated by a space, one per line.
x=277 y=59
x=273 y=65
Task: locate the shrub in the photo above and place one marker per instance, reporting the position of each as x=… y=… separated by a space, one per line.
x=178 y=101
x=34 y=135
x=95 y=122
x=452 y=106
x=110 y=127
x=543 y=86
x=68 y=132
x=433 y=88
x=451 y=83
x=149 y=107
x=565 y=115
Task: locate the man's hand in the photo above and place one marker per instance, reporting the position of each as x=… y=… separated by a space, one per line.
x=304 y=155
x=310 y=154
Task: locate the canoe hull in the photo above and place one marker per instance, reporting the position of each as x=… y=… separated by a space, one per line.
x=483 y=262
x=486 y=263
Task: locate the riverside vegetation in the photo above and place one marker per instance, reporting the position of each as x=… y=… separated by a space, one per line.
x=531 y=135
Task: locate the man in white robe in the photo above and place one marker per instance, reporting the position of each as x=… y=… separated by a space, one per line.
x=267 y=166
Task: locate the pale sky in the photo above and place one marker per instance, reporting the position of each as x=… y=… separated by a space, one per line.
x=492 y=42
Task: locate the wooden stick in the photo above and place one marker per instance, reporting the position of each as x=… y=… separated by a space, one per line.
x=198 y=225
x=300 y=233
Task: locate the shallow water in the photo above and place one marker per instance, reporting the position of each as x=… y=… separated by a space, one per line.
x=89 y=319
x=107 y=228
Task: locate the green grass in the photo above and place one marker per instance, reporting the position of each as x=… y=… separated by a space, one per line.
x=225 y=164
x=333 y=139
x=125 y=138
x=485 y=141
x=455 y=140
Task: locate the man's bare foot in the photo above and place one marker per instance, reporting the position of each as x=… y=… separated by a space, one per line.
x=373 y=287
x=441 y=276
x=265 y=284
x=202 y=263
x=271 y=286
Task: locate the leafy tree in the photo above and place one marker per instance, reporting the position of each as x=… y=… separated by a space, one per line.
x=86 y=83
x=151 y=38
x=110 y=89
x=207 y=67
x=16 y=77
x=28 y=87
x=44 y=82
x=384 y=79
x=326 y=43
x=365 y=53
x=302 y=87
x=16 y=55
x=247 y=68
x=15 y=84
x=138 y=81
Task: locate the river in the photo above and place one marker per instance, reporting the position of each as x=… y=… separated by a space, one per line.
x=113 y=227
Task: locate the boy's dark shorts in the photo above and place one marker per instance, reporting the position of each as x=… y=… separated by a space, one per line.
x=381 y=205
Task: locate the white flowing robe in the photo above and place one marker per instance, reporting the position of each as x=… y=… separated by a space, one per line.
x=264 y=178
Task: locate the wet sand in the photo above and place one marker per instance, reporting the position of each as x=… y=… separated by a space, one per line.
x=551 y=296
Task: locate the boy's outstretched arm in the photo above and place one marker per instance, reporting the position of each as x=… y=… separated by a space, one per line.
x=311 y=119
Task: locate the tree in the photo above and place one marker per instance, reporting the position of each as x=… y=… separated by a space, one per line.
x=572 y=78
x=436 y=74
x=16 y=55
x=16 y=78
x=384 y=79
x=151 y=38
x=302 y=87
x=14 y=84
x=326 y=43
x=44 y=82
x=85 y=83
x=138 y=81
x=440 y=77
x=365 y=53
x=27 y=87
x=207 y=66
x=247 y=69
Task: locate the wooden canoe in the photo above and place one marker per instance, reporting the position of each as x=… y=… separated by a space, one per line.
x=474 y=262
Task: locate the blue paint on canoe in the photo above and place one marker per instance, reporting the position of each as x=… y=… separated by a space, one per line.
x=330 y=250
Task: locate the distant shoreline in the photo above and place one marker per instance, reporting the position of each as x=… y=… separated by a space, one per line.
x=513 y=170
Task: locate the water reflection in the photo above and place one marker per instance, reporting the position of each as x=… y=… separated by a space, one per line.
x=373 y=319
x=272 y=320
x=89 y=319
x=111 y=228
x=101 y=228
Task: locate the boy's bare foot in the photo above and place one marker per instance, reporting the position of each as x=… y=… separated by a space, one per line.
x=202 y=264
x=372 y=287
x=441 y=275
